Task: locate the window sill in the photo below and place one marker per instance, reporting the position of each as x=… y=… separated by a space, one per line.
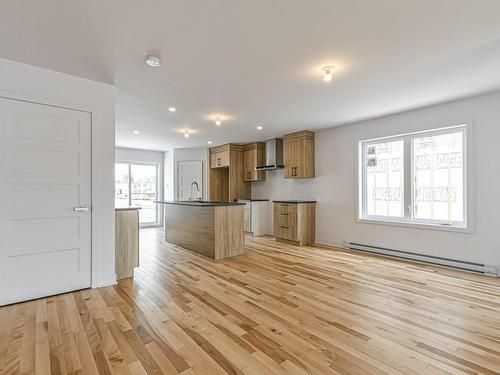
x=427 y=226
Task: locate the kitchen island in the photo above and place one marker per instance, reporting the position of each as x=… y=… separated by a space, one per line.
x=211 y=229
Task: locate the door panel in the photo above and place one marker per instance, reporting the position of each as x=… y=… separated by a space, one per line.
x=45 y=172
x=187 y=173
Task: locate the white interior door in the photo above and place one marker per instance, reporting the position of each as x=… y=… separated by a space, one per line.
x=187 y=173
x=45 y=190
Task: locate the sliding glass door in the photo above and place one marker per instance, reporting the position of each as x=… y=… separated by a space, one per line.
x=136 y=184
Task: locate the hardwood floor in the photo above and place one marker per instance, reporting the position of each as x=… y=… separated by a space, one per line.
x=279 y=309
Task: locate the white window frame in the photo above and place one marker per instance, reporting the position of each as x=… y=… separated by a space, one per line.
x=408 y=220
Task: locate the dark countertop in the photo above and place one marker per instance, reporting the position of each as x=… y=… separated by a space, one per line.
x=294 y=201
x=252 y=200
x=131 y=208
x=201 y=203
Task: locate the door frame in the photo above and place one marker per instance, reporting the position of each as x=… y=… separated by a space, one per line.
x=202 y=188
x=95 y=280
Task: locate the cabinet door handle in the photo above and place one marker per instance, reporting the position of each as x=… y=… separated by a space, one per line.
x=284 y=227
x=284 y=214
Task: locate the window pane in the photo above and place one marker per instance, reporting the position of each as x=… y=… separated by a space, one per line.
x=385 y=179
x=144 y=191
x=121 y=185
x=438 y=177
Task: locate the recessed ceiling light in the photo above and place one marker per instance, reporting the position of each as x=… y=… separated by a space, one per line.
x=328 y=73
x=186 y=134
x=172 y=109
x=259 y=127
x=136 y=132
x=153 y=60
x=209 y=142
x=218 y=120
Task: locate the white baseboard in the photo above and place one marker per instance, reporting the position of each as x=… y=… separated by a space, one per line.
x=330 y=242
x=103 y=280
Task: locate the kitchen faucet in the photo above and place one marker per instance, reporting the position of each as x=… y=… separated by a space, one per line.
x=191 y=189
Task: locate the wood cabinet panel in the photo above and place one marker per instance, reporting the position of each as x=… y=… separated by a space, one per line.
x=253 y=156
x=219 y=159
x=286 y=218
x=226 y=177
x=285 y=207
x=285 y=232
x=299 y=155
x=126 y=243
x=295 y=222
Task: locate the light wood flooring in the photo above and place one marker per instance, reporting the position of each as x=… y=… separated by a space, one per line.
x=280 y=309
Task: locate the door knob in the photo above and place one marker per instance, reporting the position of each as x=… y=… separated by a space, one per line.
x=81 y=209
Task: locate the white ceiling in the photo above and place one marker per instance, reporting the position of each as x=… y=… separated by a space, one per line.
x=259 y=61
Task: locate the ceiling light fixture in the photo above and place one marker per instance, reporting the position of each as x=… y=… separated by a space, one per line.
x=136 y=132
x=259 y=127
x=172 y=109
x=218 y=120
x=153 y=60
x=186 y=134
x=209 y=142
x=328 y=73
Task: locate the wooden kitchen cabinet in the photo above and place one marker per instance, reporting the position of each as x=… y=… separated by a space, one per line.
x=295 y=221
x=126 y=241
x=226 y=174
x=219 y=157
x=253 y=156
x=299 y=154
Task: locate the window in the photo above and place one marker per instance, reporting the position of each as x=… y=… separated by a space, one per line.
x=417 y=178
x=137 y=185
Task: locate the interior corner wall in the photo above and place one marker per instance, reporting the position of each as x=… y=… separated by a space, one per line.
x=335 y=184
x=26 y=82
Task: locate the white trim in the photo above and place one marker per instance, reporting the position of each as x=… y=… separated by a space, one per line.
x=104 y=280
x=415 y=225
x=408 y=221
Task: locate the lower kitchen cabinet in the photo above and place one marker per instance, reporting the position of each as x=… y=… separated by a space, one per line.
x=295 y=221
x=126 y=241
x=255 y=216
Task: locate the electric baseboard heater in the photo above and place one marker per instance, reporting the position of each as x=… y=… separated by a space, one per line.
x=429 y=259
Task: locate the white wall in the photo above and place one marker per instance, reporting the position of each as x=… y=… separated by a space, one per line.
x=335 y=184
x=25 y=82
x=190 y=154
x=169 y=175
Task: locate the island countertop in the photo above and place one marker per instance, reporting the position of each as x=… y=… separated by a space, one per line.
x=202 y=203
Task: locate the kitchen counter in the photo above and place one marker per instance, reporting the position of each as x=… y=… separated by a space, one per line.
x=253 y=200
x=211 y=229
x=294 y=201
x=201 y=203
x=130 y=208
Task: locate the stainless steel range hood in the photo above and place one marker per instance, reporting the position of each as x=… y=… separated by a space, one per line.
x=274 y=155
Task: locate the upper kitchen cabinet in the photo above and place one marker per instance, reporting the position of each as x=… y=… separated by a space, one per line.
x=253 y=156
x=219 y=156
x=299 y=154
x=226 y=174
